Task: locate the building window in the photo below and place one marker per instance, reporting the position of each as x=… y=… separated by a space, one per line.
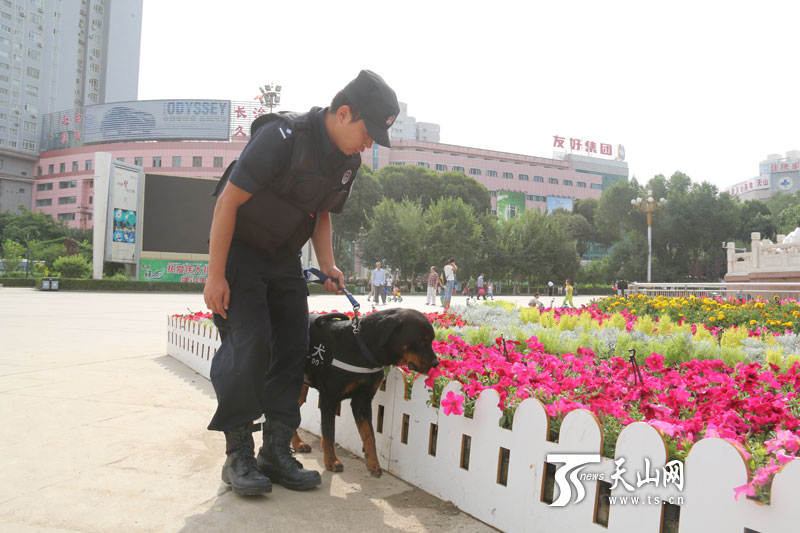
x=67 y=200
x=475 y=172
x=32 y=90
x=138 y=161
x=552 y=181
x=440 y=167
x=397 y=164
x=523 y=177
x=68 y=184
x=567 y=183
x=28 y=145
x=44 y=202
x=39 y=170
x=423 y=164
x=493 y=194
x=91 y=200
x=121 y=159
x=62 y=167
x=537 y=198
x=63 y=217
x=197 y=161
x=597 y=186
x=34 y=54
x=28 y=126
x=156 y=161
x=538 y=179
x=74 y=166
x=176 y=161
x=217 y=162
x=33 y=72
x=508 y=175
x=50 y=168
x=44 y=186
x=492 y=173
x=458 y=169
x=581 y=184
x=88 y=164
x=493 y=212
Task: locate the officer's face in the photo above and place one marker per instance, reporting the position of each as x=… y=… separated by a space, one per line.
x=351 y=136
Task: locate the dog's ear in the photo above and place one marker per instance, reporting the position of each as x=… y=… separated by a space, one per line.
x=379 y=328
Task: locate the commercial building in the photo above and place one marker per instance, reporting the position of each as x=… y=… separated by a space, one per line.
x=58 y=55
x=200 y=138
x=777 y=174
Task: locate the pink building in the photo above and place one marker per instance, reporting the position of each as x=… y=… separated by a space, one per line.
x=64 y=181
x=538 y=178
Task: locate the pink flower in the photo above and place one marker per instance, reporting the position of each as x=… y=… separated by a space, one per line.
x=452 y=404
x=747 y=490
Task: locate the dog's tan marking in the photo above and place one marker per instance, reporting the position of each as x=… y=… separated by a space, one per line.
x=370 y=452
x=331 y=461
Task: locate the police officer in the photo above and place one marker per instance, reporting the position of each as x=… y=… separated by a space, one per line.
x=296 y=170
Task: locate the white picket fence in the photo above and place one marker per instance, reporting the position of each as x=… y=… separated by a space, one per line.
x=462 y=460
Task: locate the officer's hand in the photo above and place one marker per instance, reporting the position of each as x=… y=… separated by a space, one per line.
x=333 y=274
x=217 y=295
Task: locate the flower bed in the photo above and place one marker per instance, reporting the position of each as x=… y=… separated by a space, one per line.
x=681 y=389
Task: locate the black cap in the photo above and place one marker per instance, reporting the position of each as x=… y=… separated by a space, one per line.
x=376 y=102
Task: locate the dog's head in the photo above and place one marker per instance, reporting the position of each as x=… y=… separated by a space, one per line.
x=401 y=337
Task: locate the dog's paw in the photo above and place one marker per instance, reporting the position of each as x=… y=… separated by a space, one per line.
x=334 y=466
x=302 y=447
x=376 y=471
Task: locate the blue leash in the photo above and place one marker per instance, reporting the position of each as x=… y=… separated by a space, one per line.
x=321 y=278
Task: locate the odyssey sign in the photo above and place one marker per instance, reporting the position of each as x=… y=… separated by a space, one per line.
x=590 y=147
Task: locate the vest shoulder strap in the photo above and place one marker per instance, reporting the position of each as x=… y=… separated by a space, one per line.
x=296 y=121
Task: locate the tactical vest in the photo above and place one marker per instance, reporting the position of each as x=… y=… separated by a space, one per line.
x=283 y=215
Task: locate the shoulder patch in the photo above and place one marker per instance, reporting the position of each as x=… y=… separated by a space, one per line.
x=284 y=131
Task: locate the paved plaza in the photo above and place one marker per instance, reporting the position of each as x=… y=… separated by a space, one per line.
x=102 y=431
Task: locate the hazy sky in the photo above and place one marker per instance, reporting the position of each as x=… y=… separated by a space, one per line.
x=705 y=87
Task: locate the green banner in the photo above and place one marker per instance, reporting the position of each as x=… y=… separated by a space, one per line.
x=173 y=270
x=510 y=204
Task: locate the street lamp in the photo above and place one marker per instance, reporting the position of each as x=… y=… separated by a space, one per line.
x=270 y=96
x=649 y=206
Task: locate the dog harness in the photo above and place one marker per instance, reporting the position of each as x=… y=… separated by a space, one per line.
x=362 y=346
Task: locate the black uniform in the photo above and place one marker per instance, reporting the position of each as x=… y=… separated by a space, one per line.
x=294 y=172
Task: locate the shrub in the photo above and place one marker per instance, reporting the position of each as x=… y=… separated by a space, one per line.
x=73 y=266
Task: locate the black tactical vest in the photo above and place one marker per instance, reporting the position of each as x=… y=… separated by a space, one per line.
x=283 y=215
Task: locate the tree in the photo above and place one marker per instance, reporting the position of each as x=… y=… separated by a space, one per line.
x=13 y=252
x=536 y=247
x=396 y=236
x=411 y=181
x=755 y=216
x=459 y=185
x=614 y=214
x=452 y=230
x=576 y=227
x=364 y=196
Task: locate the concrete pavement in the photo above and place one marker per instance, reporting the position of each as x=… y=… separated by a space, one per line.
x=102 y=431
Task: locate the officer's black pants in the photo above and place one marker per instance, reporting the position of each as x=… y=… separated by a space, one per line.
x=259 y=365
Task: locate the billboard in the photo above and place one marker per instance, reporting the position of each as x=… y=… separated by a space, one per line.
x=510 y=204
x=177 y=213
x=556 y=202
x=157 y=120
x=173 y=270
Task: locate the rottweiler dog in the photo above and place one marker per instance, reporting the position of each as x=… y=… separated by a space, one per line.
x=340 y=367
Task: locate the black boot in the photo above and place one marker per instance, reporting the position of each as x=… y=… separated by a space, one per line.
x=240 y=470
x=275 y=459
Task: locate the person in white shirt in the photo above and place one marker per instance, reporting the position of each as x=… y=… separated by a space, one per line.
x=450 y=281
x=378 y=283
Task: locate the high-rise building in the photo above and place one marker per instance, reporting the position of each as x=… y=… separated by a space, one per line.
x=406 y=128
x=56 y=55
